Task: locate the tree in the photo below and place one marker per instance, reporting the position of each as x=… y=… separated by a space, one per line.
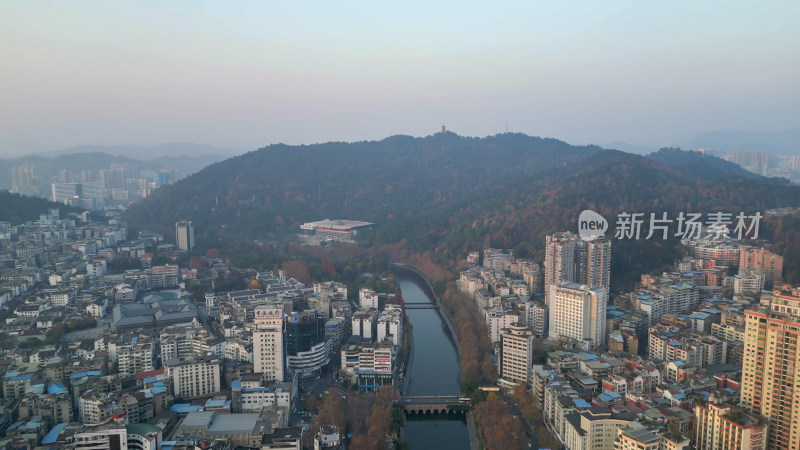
x=297 y=269
x=330 y=411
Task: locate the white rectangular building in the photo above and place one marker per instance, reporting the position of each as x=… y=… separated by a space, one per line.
x=578 y=312
x=268 y=355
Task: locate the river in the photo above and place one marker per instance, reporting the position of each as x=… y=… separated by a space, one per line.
x=434 y=371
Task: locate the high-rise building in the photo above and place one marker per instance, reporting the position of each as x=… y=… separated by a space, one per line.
x=595 y=264
x=194 y=378
x=754 y=161
x=516 y=349
x=760 y=258
x=184 y=235
x=796 y=162
x=771 y=366
x=560 y=260
x=268 y=354
x=87 y=195
x=720 y=425
x=570 y=259
x=307 y=350
x=578 y=312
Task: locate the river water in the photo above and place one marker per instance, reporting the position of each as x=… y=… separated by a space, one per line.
x=434 y=371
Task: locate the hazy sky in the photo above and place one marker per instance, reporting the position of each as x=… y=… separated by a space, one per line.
x=246 y=74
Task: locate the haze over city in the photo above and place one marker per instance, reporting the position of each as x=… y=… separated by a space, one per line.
x=241 y=76
x=399 y=226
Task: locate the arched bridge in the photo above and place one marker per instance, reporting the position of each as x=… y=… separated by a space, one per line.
x=432 y=404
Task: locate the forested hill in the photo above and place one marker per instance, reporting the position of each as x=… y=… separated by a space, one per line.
x=19 y=209
x=448 y=194
x=276 y=188
x=704 y=166
x=520 y=215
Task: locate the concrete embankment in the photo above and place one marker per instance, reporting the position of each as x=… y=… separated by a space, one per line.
x=436 y=299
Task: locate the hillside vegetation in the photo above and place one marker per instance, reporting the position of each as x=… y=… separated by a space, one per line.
x=445 y=195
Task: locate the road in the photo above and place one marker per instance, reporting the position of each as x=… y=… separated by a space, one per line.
x=474 y=443
x=512 y=405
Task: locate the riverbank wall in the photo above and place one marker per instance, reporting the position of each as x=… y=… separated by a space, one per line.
x=436 y=299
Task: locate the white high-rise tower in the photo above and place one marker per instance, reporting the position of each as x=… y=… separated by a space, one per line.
x=268 y=352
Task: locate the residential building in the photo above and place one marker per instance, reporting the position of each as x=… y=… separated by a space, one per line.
x=771 y=361
x=749 y=281
x=721 y=425
x=593 y=428
x=756 y=161
x=390 y=326
x=364 y=323
x=516 y=350
x=368 y=299
x=761 y=258
x=194 y=378
x=570 y=259
x=536 y=317
x=133 y=354
x=496 y=320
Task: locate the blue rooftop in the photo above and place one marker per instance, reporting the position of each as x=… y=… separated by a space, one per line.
x=25 y=377
x=52 y=436
x=57 y=388
x=581 y=403
x=90 y=373
x=184 y=408
x=35 y=389
x=211 y=403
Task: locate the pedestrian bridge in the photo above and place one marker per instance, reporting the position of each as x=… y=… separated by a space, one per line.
x=433 y=404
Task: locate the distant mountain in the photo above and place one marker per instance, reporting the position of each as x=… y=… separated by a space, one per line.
x=144 y=153
x=786 y=142
x=184 y=165
x=630 y=148
x=448 y=194
x=19 y=209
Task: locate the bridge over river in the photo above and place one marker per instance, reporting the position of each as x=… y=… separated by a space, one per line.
x=421 y=305
x=432 y=404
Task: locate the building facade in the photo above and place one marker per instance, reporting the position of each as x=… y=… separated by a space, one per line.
x=516 y=349
x=184 y=235
x=721 y=425
x=268 y=352
x=570 y=259
x=578 y=312
x=770 y=366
